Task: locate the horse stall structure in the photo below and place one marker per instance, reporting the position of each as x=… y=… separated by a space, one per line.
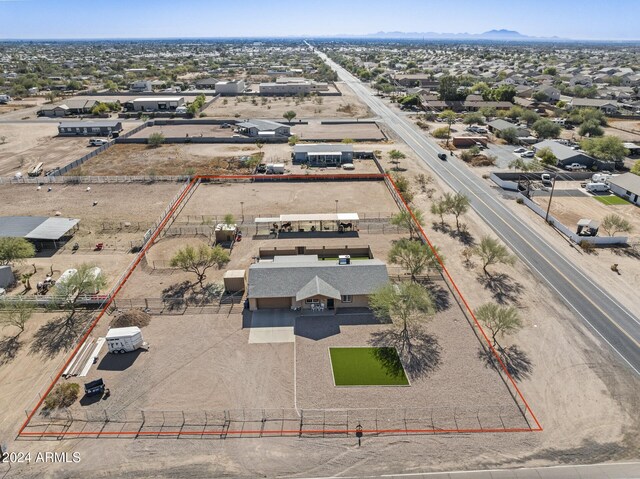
x=310 y=225
x=45 y=233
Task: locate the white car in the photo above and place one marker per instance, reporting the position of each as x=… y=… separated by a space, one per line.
x=348 y=166
x=519 y=150
x=527 y=154
x=97 y=142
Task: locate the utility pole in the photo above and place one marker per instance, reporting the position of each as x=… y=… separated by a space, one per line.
x=553 y=187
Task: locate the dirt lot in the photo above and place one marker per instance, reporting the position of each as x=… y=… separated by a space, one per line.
x=315 y=131
x=172 y=159
x=117 y=204
x=345 y=106
x=181 y=131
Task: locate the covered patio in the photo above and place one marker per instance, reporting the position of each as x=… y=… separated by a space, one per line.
x=319 y=224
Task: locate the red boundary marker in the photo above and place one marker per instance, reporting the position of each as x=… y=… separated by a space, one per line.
x=134 y=265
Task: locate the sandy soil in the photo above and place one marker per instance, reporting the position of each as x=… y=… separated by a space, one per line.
x=181 y=131
x=170 y=160
x=316 y=131
x=348 y=104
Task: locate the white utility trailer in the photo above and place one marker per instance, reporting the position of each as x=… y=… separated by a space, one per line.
x=124 y=340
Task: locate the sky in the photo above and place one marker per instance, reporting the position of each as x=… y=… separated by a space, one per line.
x=66 y=19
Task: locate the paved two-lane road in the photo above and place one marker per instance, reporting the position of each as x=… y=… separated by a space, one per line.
x=612 y=322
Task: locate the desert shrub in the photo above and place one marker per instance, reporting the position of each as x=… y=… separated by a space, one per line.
x=441 y=133
x=587 y=246
x=63 y=395
x=135 y=317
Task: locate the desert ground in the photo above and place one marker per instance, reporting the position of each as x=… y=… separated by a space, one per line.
x=315 y=131
x=345 y=106
x=27 y=144
x=585 y=401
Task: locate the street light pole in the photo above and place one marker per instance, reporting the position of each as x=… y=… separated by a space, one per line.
x=242 y=209
x=553 y=187
x=336 y=206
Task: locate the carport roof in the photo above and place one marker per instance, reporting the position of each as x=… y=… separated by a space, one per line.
x=35 y=227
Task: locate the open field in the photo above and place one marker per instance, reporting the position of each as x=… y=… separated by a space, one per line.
x=169 y=159
x=274 y=107
x=316 y=131
x=181 y=131
x=116 y=205
x=367 y=367
x=28 y=144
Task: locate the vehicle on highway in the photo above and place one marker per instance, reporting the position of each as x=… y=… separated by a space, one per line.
x=442 y=156
x=519 y=150
x=527 y=154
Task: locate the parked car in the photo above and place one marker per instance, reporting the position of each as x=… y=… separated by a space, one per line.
x=348 y=166
x=527 y=154
x=575 y=167
x=519 y=150
x=97 y=142
x=442 y=156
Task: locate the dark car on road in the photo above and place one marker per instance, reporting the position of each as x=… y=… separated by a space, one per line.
x=442 y=156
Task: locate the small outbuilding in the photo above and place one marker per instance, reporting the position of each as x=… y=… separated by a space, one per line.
x=323 y=154
x=263 y=128
x=234 y=280
x=6 y=276
x=151 y=104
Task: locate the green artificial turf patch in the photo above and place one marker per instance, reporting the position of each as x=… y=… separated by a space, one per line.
x=612 y=200
x=367 y=367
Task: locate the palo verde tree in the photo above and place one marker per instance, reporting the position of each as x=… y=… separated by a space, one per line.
x=199 y=260
x=449 y=117
x=405 y=220
x=499 y=320
x=289 y=115
x=87 y=279
x=414 y=256
x=16 y=314
x=613 y=224
x=492 y=252
x=396 y=156
x=15 y=249
x=439 y=208
x=402 y=303
x=457 y=205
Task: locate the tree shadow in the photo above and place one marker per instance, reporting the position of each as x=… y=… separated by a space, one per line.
x=629 y=251
x=441 y=227
x=9 y=348
x=174 y=296
x=418 y=351
x=504 y=288
x=461 y=235
x=515 y=360
x=58 y=334
x=390 y=360
x=210 y=293
x=440 y=295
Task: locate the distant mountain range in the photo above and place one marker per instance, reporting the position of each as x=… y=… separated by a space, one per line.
x=510 y=35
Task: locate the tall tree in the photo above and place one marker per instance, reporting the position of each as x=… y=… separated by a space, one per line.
x=449 y=117
x=546 y=129
x=498 y=320
x=414 y=256
x=608 y=148
x=457 y=205
x=199 y=260
x=492 y=252
x=289 y=115
x=405 y=220
x=402 y=303
x=613 y=224
x=448 y=88
x=15 y=249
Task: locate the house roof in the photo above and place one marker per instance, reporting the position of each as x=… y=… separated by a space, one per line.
x=317 y=287
x=78 y=104
x=592 y=102
x=628 y=181
x=280 y=279
x=561 y=152
x=322 y=148
x=159 y=98
x=262 y=125
x=54 y=107
x=501 y=124
x=35 y=227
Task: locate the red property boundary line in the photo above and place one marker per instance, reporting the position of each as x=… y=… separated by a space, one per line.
x=266 y=179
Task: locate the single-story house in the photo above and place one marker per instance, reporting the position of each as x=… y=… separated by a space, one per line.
x=417 y=79
x=496 y=126
x=206 y=83
x=80 y=107
x=263 y=128
x=626 y=186
x=552 y=94
x=160 y=103
x=564 y=154
x=608 y=107
x=54 y=111
x=323 y=154
x=476 y=105
x=141 y=86
x=90 y=128
x=304 y=281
